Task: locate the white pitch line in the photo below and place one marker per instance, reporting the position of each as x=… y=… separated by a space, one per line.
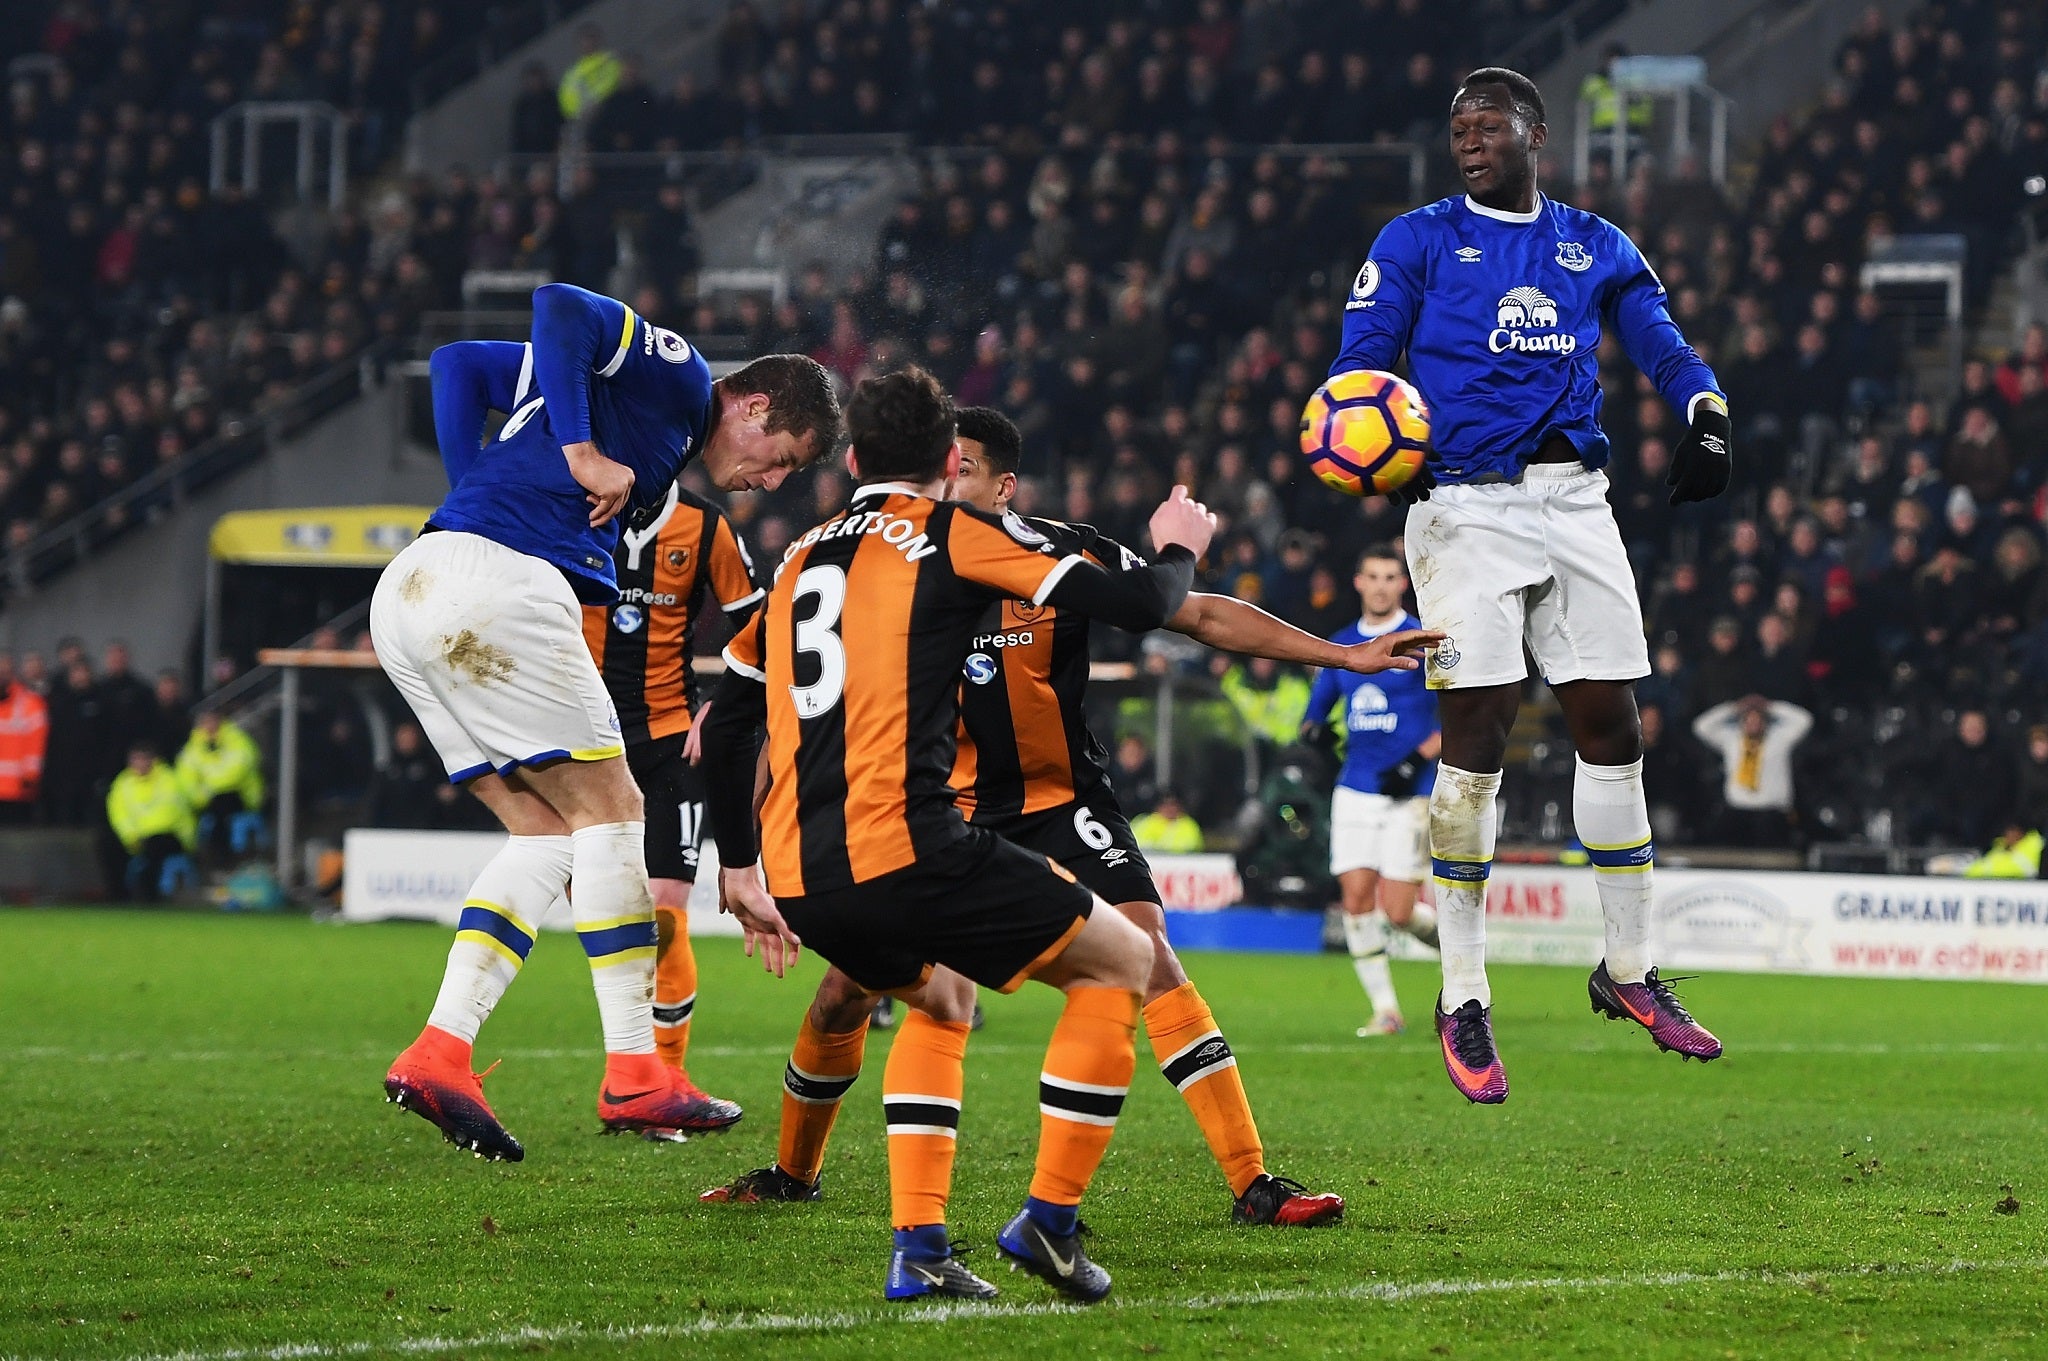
x=1390 y=1292
x=53 y=1053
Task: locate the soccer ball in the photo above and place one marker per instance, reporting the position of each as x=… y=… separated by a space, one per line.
x=1365 y=432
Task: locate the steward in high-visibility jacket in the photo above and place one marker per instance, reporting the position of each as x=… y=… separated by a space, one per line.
x=222 y=771
x=221 y=758
x=147 y=802
x=2015 y=855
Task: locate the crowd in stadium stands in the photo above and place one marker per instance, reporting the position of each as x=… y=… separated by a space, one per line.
x=1092 y=253
x=141 y=311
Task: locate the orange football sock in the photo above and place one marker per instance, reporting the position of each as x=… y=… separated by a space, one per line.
x=1081 y=1090
x=821 y=1068
x=921 y=1087
x=1196 y=1059
x=675 y=985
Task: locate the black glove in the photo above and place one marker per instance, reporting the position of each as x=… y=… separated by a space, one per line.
x=1704 y=461
x=1318 y=737
x=1398 y=781
x=1414 y=489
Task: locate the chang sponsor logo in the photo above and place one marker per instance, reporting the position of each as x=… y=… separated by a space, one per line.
x=1369 y=712
x=1525 y=321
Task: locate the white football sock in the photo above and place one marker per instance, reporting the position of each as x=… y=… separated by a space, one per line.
x=1612 y=819
x=1366 y=935
x=496 y=930
x=1464 y=820
x=615 y=921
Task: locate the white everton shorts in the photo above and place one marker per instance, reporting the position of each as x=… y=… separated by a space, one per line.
x=1538 y=561
x=1378 y=832
x=486 y=644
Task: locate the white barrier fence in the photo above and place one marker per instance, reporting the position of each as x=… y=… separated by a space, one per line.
x=1873 y=926
x=1863 y=925
x=424 y=876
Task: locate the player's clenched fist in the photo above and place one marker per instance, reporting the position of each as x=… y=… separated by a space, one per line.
x=608 y=482
x=1183 y=520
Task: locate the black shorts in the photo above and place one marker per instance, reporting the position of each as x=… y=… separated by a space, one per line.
x=981 y=907
x=1091 y=839
x=674 y=793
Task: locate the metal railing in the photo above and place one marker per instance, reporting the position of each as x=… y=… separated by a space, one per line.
x=311 y=118
x=241 y=441
x=1405 y=165
x=738 y=165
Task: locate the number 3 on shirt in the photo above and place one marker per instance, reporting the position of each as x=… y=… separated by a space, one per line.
x=819 y=636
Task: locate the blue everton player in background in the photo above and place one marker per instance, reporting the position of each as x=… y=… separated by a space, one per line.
x=479 y=624
x=1498 y=297
x=1379 y=811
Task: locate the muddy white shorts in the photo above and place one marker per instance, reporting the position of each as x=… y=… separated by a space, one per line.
x=486 y=644
x=1379 y=832
x=1538 y=561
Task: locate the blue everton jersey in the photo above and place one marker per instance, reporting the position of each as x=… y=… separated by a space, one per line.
x=1384 y=717
x=593 y=371
x=1500 y=314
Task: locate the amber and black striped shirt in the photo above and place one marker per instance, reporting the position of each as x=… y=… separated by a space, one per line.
x=1024 y=744
x=855 y=663
x=642 y=643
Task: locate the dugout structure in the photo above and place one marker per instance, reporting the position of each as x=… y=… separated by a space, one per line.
x=364 y=537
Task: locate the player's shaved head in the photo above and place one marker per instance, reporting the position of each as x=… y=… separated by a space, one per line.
x=1497 y=85
x=902 y=427
x=1000 y=440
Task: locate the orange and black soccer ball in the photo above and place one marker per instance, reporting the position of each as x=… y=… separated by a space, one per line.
x=1365 y=432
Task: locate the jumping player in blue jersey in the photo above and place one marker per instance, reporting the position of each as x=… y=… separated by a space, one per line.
x=1498 y=297
x=478 y=623
x=1379 y=811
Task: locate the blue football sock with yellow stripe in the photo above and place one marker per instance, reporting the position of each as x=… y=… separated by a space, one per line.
x=1612 y=818
x=496 y=930
x=615 y=922
x=1464 y=821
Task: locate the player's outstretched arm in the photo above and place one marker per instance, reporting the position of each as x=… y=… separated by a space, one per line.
x=471 y=379
x=1233 y=625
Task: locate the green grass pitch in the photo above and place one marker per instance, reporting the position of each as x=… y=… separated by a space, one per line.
x=195 y=1159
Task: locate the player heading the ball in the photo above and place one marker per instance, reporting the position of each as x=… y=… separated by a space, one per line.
x=478 y=624
x=1498 y=297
